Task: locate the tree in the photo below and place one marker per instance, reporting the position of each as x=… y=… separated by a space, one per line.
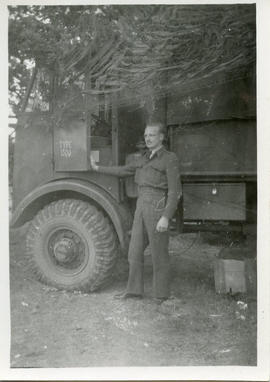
x=144 y=50
x=42 y=37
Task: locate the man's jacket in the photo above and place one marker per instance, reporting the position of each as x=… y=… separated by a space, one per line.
x=161 y=172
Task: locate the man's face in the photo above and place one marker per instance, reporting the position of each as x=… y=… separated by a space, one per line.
x=153 y=138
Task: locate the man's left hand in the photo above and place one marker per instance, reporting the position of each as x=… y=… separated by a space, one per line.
x=163 y=224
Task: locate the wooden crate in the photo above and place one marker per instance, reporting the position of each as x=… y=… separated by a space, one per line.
x=230 y=276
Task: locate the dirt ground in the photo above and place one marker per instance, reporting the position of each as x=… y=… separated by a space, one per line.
x=196 y=327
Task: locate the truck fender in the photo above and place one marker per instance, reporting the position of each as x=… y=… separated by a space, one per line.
x=42 y=195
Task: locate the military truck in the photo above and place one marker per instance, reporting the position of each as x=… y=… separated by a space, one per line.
x=80 y=220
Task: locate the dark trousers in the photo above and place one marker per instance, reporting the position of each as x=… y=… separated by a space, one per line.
x=150 y=206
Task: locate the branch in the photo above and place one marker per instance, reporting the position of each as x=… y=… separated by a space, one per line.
x=29 y=89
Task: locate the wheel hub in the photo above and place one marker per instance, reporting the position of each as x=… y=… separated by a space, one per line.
x=66 y=249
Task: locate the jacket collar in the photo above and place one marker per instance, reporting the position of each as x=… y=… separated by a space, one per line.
x=160 y=151
x=157 y=153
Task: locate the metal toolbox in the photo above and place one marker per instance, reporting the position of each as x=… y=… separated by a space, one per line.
x=214 y=201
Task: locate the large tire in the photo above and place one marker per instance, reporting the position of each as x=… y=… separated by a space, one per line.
x=72 y=246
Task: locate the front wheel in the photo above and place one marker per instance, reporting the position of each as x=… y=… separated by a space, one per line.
x=72 y=245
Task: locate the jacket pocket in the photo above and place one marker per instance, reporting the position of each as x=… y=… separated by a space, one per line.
x=160 y=204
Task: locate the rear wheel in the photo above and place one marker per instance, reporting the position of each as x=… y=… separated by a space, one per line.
x=72 y=245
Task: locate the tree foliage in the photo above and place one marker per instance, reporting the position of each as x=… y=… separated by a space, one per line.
x=129 y=47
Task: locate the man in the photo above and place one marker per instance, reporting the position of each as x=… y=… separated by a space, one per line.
x=159 y=190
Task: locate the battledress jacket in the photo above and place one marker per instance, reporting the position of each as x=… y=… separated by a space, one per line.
x=161 y=172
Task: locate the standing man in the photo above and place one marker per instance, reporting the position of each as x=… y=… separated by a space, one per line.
x=159 y=190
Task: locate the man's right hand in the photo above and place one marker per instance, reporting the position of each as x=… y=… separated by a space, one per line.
x=94 y=166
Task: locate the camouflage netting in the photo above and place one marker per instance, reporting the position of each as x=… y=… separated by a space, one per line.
x=155 y=49
x=86 y=56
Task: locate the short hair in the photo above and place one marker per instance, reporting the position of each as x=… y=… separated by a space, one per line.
x=160 y=125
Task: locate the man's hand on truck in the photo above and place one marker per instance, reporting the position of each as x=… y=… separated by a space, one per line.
x=94 y=166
